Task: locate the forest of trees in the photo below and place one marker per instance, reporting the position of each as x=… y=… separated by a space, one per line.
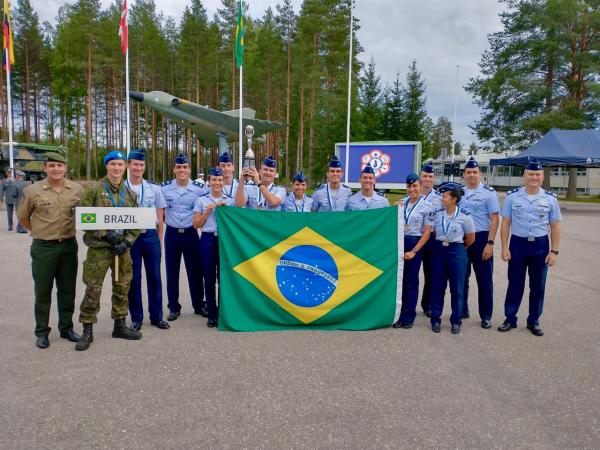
x=69 y=86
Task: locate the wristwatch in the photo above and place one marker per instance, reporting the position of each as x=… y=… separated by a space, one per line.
x=259 y=184
x=490 y=242
x=554 y=251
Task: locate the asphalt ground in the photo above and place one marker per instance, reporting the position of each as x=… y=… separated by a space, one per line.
x=194 y=387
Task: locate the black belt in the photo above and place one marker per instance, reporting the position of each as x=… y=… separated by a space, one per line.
x=530 y=238
x=54 y=241
x=179 y=230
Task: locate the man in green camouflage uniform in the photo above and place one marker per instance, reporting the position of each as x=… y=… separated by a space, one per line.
x=103 y=246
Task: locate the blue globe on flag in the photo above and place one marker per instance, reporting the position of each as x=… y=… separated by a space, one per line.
x=306 y=275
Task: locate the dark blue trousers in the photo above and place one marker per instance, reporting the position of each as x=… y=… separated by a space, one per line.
x=449 y=265
x=187 y=244
x=410 y=281
x=209 y=249
x=428 y=252
x=483 y=274
x=526 y=256
x=147 y=248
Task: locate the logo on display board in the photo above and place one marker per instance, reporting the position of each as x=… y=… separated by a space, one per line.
x=379 y=161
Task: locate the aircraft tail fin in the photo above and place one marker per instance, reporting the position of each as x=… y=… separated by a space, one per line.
x=247 y=113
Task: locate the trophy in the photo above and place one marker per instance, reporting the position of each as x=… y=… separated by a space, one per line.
x=249 y=159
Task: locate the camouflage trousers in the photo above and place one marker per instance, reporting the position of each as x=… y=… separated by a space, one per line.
x=95 y=266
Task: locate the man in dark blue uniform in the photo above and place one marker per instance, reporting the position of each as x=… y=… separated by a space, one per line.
x=528 y=213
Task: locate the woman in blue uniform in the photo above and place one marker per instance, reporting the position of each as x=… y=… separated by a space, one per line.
x=454 y=232
x=417 y=229
x=297 y=200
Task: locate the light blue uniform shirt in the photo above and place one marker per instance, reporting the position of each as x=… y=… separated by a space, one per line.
x=210 y=226
x=452 y=228
x=255 y=200
x=359 y=202
x=325 y=199
x=418 y=216
x=435 y=198
x=149 y=195
x=230 y=189
x=531 y=217
x=480 y=203
x=292 y=205
x=179 y=212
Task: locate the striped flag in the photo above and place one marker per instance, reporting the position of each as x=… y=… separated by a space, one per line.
x=123 y=31
x=8 y=41
x=239 y=37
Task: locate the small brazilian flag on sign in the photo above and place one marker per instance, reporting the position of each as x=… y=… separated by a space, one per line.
x=323 y=270
x=88 y=218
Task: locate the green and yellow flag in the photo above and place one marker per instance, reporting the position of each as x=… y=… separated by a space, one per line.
x=239 y=37
x=340 y=270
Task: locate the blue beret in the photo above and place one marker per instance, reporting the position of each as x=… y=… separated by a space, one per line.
x=427 y=168
x=300 y=177
x=368 y=169
x=215 y=172
x=534 y=164
x=411 y=178
x=450 y=186
x=471 y=163
x=115 y=154
x=270 y=162
x=335 y=162
x=138 y=154
x=225 y=158
x=181 y=159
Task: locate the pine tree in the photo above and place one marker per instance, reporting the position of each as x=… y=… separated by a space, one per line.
x=370 y=105
x=414 y=111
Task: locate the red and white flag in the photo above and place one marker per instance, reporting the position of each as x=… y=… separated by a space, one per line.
x=123 y=32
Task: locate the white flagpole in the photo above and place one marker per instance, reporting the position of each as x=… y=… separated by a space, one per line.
x=128 y=127
x=241 y=148
x=347 y=168
x=451 y=178
x=11 y=157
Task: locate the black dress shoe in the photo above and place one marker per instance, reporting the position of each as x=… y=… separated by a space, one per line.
x=42 y=342
x=436 y=327
x=535 y=329
x=427 y=312
x=160 y=324
x=397 y=324
x=70 y=335
x=136 y=326
x=486 y=324
x=203 y=311
x=506 y=326
x=465 y=315
x=407 y=325
x=211 y=323
x=173 y=316
x=455 y=328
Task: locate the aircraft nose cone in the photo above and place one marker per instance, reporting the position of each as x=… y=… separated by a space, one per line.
x=137 y=96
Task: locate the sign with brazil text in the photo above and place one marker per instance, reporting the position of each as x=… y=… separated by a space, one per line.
x=340 y=270
x=99 y=218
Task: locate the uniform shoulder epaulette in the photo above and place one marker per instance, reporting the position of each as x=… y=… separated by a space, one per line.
x=512 y=191
x=152 y=182
x=198 y=183
x=319 y=187
x=489 y=188
x=380 y=193
x=205 y=195
x=166 y=183
x=553 y=194
x=346 y=186
x=466 y=213
x=309 y=196
x=438 y=210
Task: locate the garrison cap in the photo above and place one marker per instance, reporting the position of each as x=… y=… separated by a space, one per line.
x=225 y=158
x=368 y=169
x=138 y=154
x=215 y=172
x=181 y=159
x=115 y=154
x=299 y=177
x=335 y=162
x=56 y=157
x=411 y=178
x=471 y=163
x=19 y=173
x=427 y=168
x=270 y=162
x=534 y=164
x=450 y=186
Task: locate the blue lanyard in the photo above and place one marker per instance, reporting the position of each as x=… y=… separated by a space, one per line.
x=410 y=211
x=296 y=204
x=450 y=222
x=329 y=197
x=112 y=199
x=260 y=205
x=230 y=195
x=141 y=201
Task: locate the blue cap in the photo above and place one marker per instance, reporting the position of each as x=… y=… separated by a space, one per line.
x=368 y=169
x=427 y=168
x=215 y=172
x=534 y=164
x=181 y=159
x=299 y=177
x=225 y=158
x=335 y=162
x=471 y=163
x=270 y=162
x=450 y=186
x=411 y=178
x=115 y=154
x=138 y=154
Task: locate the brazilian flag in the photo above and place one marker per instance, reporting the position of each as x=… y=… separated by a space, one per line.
x=240 y=30
x=326 y=270
x=88 y=218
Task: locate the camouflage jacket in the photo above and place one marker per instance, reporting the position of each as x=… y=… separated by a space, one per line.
x=97 y=195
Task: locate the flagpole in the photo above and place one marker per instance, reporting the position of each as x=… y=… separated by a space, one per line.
x=240 y=130
x=128 y=127
x=9 y=114
x=349 y=93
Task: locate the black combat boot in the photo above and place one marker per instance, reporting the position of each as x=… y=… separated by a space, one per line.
x=124 y=332
x=86 y=338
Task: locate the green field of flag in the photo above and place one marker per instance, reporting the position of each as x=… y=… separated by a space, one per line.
x=88 y=218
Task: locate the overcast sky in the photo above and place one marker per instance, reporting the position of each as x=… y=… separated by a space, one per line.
x=439 y=34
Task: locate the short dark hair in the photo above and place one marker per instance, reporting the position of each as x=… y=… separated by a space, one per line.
x=456 y=193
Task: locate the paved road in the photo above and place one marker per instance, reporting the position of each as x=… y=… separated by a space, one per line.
x=192 y=387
